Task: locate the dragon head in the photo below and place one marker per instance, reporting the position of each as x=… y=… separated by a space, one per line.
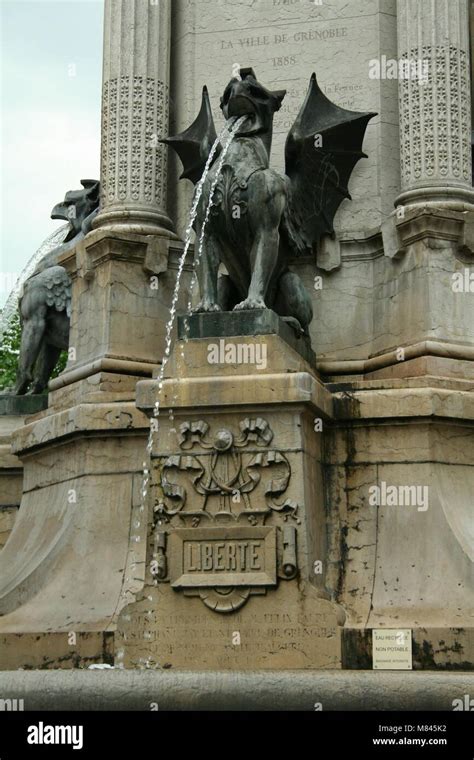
x=245 y=96
x=78 y=205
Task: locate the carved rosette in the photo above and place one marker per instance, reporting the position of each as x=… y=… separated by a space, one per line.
x=225 y=527
x=135 y=113
x=434 y=103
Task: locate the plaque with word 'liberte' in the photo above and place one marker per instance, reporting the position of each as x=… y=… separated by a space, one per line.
x=223 y=556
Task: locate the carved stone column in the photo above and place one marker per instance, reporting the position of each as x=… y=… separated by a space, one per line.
x=435 y=111
x=134 y=115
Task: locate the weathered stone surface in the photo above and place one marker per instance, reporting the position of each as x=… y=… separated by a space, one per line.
x=449 y=649
x=127 y=279
x=53 y=651
x=405 y=564
x=239 y=355
x=11 y=468
x=75 y=555
x=212 y=390
x=103 y=388
x=373 y=306
x=239 y=690
x=286 y=628
x=7 y=516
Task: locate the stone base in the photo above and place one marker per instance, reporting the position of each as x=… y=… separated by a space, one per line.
x=301 y=497
x=439 y=649
x=289 y=627
x=74 y=557
x=52 y=650
x=256 y=323
x=238 y=499
x=21 y=406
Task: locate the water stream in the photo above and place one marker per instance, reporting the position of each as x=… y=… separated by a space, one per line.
x=228 y=132
x=11 y=304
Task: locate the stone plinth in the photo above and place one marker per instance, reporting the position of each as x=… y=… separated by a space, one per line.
x=235 y=564
x=245 y=447
x=122 y=284
x=21 y=406
x=246 y=323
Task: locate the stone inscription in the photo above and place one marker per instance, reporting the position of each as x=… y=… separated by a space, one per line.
x=223 y=556
x=246 y=43
x=285 y=42
x=226 y=556
x=191 y=635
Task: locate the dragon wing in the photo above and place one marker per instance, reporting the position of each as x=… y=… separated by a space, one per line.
x=321 y=150
x=54 y=285
x=193 y=146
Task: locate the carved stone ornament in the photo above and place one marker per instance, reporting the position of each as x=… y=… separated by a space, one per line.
x=223 y=495
x=133 y=113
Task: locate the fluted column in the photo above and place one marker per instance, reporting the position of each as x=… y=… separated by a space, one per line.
x=435 y=110
x=134 y=115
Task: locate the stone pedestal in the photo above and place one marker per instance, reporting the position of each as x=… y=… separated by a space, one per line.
x=399 y=481
x=236 y=556
x=122 y=285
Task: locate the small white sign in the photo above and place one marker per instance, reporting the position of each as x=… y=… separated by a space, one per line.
x=391 y=649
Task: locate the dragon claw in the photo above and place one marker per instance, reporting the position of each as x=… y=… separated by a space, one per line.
x=206 y=305
x=250 y=303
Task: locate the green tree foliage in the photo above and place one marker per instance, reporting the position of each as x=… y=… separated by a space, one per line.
x=9 y=352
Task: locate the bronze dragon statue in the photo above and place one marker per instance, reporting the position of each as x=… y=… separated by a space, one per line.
x=260 y=218
x=45 y=304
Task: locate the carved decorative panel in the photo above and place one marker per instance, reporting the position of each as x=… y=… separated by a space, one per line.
x=225 y=527
x=134 y=117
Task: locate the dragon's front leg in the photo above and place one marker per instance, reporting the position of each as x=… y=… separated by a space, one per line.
x=207 y=271
x=265 y=209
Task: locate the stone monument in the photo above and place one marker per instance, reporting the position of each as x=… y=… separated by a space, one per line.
x=238 y=493
x=253 y=489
